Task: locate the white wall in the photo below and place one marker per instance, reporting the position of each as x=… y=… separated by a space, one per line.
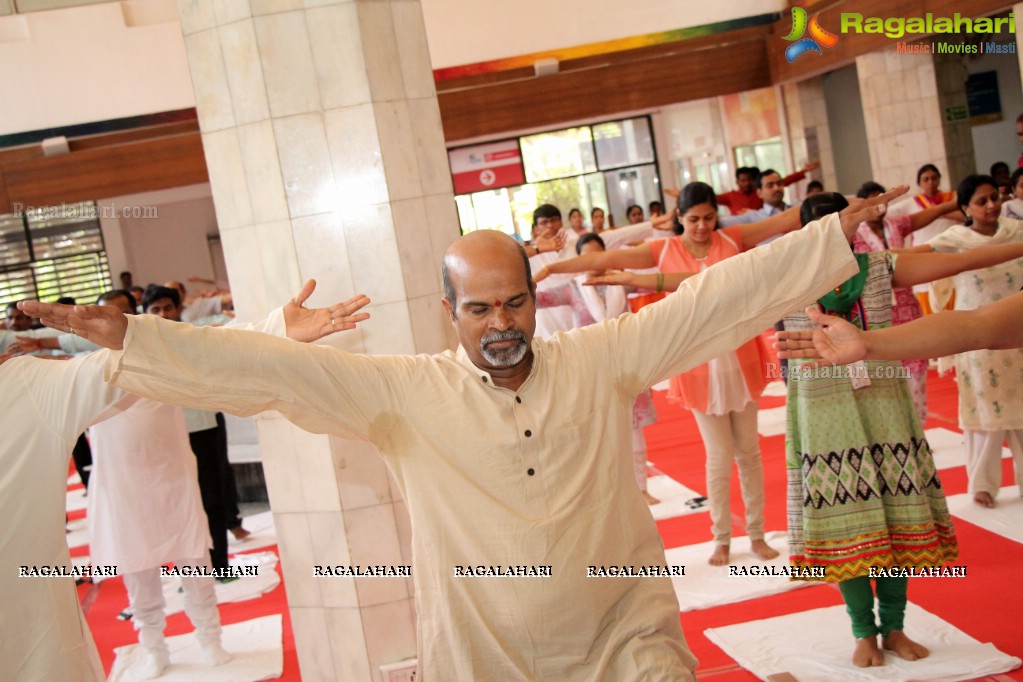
x=172 y=244
x=997 y=141
x=463 y=32
x=120 y=59
x=94 y=63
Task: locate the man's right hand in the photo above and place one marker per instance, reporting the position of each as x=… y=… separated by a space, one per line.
x=835 y=341
x=551 y=244
x=103 y=325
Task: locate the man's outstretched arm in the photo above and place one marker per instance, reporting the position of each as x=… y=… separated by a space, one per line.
x=104 y=326
x=320 y=389
x=733 y=301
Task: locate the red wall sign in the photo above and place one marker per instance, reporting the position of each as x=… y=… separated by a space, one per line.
x=486 y=166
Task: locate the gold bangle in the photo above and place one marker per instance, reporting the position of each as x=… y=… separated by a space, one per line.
x=660 y=282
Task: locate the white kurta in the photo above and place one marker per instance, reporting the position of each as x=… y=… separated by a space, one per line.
x=989 y=380
x=494 y=477
x=198 y=308
x=46 y=404
x=145 y=508
x=144 y=502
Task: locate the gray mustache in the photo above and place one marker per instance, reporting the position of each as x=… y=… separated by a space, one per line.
x=502 y=336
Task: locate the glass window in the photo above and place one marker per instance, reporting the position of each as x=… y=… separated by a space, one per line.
x=52 y=252
x=493 y=211
x=638 y=185
x=763 y=154
x=13 y=240
x=466 y=214
x=558 y=154
x=561 y=168
x=623 y=143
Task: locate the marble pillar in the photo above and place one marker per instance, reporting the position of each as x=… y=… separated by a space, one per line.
x=326 y=157
x=914 y=107
x=809 y=130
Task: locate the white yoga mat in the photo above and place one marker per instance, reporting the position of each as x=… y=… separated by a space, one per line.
x=771 y=422
x=673 y=497
x=704 y=586
x=948 y=448
x=1006 y=519
x=242 y=589
x=817 y=646
x=255 y=646
x=262 y=533
x=76 y=500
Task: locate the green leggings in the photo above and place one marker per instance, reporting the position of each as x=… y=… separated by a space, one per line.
x=859 y=603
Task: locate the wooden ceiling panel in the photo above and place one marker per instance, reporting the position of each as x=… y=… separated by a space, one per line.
x=100 y=172
x=605 y=86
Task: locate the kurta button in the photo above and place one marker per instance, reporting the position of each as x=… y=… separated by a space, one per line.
x=518 y=399
x=528 y=433
x=484 y=380
x=530 y=471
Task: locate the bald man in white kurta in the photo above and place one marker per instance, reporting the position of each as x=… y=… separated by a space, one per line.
x=497 y=477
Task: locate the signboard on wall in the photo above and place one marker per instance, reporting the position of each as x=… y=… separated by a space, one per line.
x=486 y=166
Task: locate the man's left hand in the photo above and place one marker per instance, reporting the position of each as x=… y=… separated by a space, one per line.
x=311 y=324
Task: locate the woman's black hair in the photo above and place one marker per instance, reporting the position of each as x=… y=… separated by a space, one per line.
x=868 y=188
x=586 y=239
x=967 y=188
x=818 y=205
x=927 y=167
x=1016 y=175
x=693 y=194
x=574 y=210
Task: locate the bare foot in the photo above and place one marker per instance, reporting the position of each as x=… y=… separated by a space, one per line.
x=866 y=654
x=720 y=556
x=650 y=499
x=763 y=550
x=240 y=533
x=903 y=646
x=984 y=500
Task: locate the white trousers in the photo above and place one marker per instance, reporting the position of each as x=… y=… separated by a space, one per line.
x=733 y=438
x=984 y=459
x=145 y=593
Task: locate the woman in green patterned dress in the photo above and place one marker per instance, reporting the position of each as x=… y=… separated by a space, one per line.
x=864 y=498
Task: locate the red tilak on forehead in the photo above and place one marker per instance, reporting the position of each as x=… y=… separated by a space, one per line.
x=497 y=304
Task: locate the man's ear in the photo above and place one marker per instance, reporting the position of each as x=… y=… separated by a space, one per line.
x=447 y=308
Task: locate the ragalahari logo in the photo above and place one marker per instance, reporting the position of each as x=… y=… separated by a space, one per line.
x=819 y=37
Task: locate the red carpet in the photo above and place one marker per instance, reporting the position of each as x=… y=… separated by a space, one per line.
x=985 y=605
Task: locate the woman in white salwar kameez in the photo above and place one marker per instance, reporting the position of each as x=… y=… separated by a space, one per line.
x=990 y=404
